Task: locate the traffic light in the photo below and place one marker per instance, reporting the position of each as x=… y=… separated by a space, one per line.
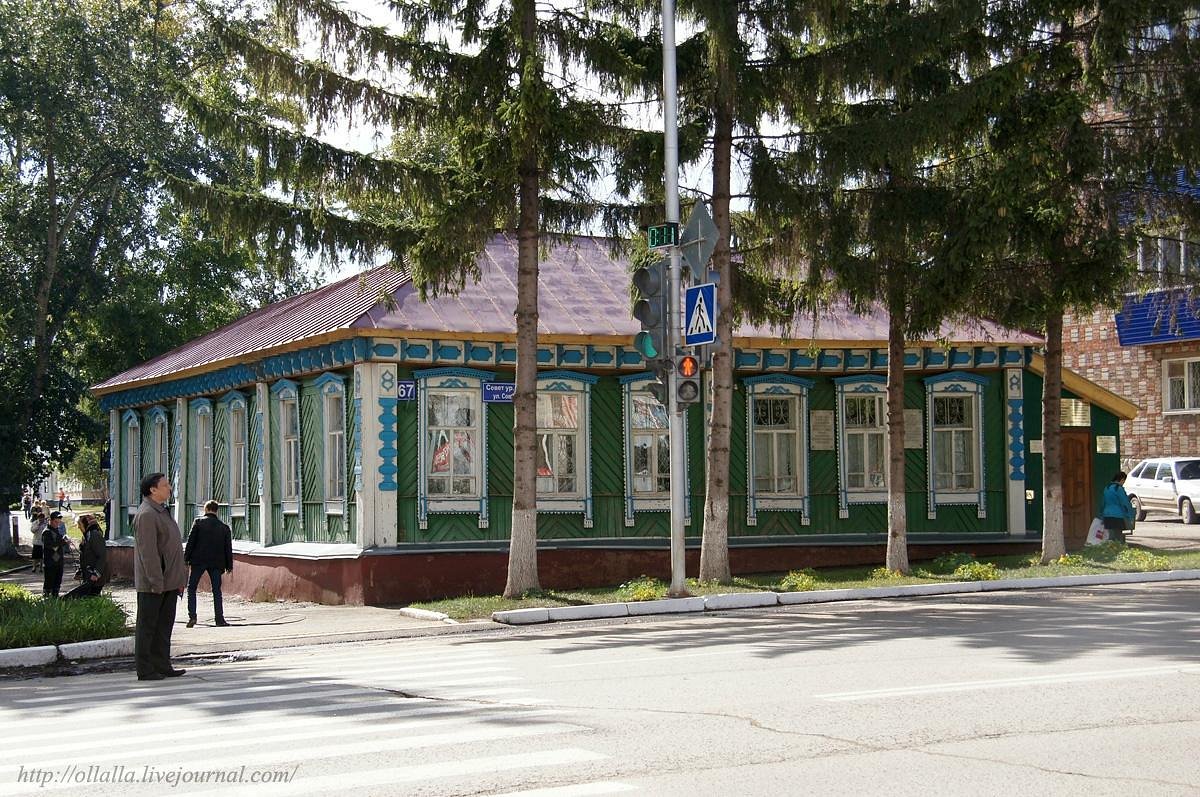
x=651 y=310
x=687 y=366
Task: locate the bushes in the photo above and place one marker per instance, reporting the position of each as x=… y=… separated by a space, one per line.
x=642 y=588
x=800 y=581
x=976 y=571
x=26 y=621
x=1138 y=560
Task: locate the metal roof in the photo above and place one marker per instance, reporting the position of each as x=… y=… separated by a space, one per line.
x=583 y=292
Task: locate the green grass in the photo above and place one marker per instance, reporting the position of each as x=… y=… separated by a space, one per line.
x=8 y=564
x=1107 y=558
x=26 y=621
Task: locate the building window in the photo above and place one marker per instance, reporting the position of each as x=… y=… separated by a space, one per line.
x=204 y=459
x=133 y=461
x=452 y=442
x=862 y=444
x=333 y=418
x=289 y=438
x=564 y=443
x=1181 y=385
x=777 y=459
x=954 y=408
x=237 y=433
x=162 y=444
x=647 y=449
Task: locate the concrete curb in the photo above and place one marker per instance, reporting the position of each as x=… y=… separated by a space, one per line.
x=750 y=600
x=28 y=657
x=426 y=614
x=97 y=649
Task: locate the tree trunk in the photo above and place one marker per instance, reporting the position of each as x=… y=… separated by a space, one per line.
x=714 y=545
x=8 y=548
x=1053 y=540
x=897 y=518
x=522 y=551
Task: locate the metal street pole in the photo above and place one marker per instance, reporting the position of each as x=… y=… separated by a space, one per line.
x=675 y=418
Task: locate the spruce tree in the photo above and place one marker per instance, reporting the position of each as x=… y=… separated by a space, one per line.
x=500 y=91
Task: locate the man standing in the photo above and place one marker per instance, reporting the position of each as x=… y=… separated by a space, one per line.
x=209 y=550
x=54 y=550
x=159 y=577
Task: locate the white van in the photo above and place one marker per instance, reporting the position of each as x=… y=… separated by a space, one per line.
x=1166 y=484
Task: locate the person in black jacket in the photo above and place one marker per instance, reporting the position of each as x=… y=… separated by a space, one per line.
x=209 y=550
x=54 y=550
x=93 y=560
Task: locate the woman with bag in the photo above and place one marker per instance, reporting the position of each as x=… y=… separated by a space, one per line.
x=1118 y=511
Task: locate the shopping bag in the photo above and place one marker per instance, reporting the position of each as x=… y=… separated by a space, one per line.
x=1096 y=532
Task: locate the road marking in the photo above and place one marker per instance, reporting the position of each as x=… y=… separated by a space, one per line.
x=1000 y=683
x=659 y=658
x=352 y=781
x=577 y=790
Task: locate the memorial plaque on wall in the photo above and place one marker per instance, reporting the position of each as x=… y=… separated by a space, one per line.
x=1106 y=444
x=914 y=433
x=820 y=430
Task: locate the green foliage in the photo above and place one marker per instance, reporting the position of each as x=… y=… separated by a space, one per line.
x=1106 y=551
x=800 y=581
x=976 y=571
x=26 y=621
x=1141 y=561
x=883 y=574
x=1070 y=560
x=949 y=562
x=642 y=588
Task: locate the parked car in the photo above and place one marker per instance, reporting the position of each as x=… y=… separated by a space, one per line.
x=1166 y=484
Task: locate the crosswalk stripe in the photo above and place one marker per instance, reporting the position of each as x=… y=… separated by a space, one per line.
x=280 y=758
x=574 y=790
x=234 y=737
x=188 y=689
x=353 y=781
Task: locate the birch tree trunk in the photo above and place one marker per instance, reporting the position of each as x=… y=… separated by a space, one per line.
x=897 y=517
x=8 y=548
x=522 y=551
x=1053 y=541
x=714 y=545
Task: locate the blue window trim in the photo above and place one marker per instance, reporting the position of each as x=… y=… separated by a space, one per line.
x=287 y=390
x=469 y=379
x=633 y=505
x=560 y=382
x=846 y=386
x=330 y=384
x=950 y=384
x=236 y=400
x=784 y=385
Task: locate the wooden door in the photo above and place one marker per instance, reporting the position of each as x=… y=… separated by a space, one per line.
x=1077 y=486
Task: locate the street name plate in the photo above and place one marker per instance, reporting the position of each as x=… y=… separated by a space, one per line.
x=499 y=392
x=820 y=430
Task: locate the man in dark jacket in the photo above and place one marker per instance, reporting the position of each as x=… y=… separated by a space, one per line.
x=54 y=551
x=93 y=560
x=209 y=550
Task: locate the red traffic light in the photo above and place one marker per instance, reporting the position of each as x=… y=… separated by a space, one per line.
x=688 y=366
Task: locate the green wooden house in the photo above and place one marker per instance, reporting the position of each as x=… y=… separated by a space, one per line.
x=359 y=440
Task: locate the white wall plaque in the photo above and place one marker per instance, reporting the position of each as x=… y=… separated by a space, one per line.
x=914 y=431
x=1106 y=444
x=820 y=430
x=1035 y=446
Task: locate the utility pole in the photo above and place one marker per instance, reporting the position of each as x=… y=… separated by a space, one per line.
x=675 y=313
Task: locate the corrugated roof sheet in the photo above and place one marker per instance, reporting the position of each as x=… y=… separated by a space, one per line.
x=583 y=291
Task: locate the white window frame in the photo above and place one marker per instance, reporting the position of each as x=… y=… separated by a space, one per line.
x=956 y=384
x=238 y=494
x=644 y=502
x=464 y=381
x=133 y=460
x=867 y=385
x=790 y=388
x=161 y=439
x=286 y=392
x=1191 y=403
x=202 y=412
x=333 y=444
x=579 y=386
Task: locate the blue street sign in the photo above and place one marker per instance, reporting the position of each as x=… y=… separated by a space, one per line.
x=499 y=392
x=406 y=390
x=700 y=315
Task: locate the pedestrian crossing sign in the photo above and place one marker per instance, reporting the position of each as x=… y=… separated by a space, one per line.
x=700 y=314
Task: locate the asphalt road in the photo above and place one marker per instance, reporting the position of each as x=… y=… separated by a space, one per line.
x=1077 y=691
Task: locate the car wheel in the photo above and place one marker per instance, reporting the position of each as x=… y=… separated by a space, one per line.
x=1188 y=512
x=1139 y=514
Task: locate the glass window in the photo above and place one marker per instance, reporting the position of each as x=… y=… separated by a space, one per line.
x=237 y=456
x=1189 y=470
x=865 y=438
x=452 y=426
x=162 y=446
x=1164 y=471
x=133 y=465
x=335 y=446
x=289 y=427
x=651 y=455
x=559 y=444
x=203 y=457
x=1137 y=470
x=777 y=432
x=954 y=443
x=1182 y=385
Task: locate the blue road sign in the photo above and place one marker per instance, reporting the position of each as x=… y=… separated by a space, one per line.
x=700 y=315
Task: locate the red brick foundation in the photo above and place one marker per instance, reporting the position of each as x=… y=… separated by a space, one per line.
x=399 y=578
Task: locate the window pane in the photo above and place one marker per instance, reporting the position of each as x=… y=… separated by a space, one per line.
x=875 y=477
x=464 y=486
x=643 y=479
x=647 y=413
x=437 y=486
x=565 y=414
x=564 y=456
x=337 y=415
x=1175 y=368
x=464 y=452
x=664 y=455
x=762 y=462
x=1175 y=394
x=1194 y=384
x=439 y=451
x=854 y=462
x=785 y=465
